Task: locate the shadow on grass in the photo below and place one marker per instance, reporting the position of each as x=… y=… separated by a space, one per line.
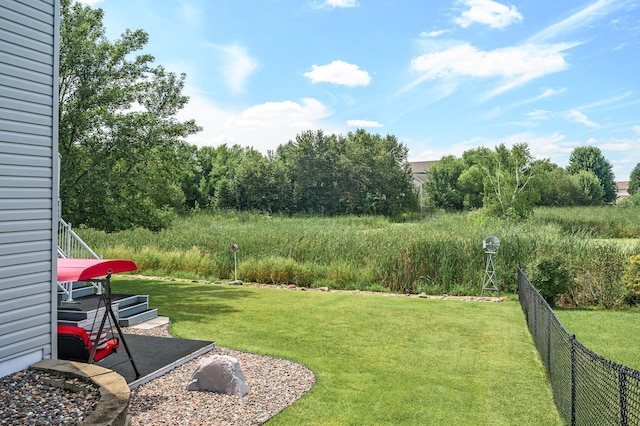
x=188 y=301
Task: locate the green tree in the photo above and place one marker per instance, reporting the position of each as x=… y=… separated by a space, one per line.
x=380 y=179
x=472 y=180
x=209 y=182
x=634 y=180
x=507 y=189
x=123 y=152
x=194 y=185
x=360 y=173
x=312 y=160
x=471 y=186
x=591 y=187
x=261 y=184
x=441 y=185
x=555 y=185
x=590 y=158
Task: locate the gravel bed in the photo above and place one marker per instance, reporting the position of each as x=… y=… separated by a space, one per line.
x=31 y=397
x=274 y=384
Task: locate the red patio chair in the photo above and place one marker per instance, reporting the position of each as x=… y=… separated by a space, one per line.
x=74 y=345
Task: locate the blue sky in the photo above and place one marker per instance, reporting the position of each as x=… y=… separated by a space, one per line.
x=443 y=76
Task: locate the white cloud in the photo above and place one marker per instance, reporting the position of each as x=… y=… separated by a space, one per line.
x=263 y=126
x=554 y=146
x=605 y=102
x=237 y=66
x=89 y=2
x=581 y=118
x=363 y=123
x=332 y=4
x=547 y=93
x=618 y=145
x=551 y=92
x=191 y=13
x=339 y=72
x=488 y=12
x=636 y=129
x=539 y=114
x=621 y=152
x=433 y=34
x=513 y=65
x=581 y=18
x=620 y=46
x=497 y=111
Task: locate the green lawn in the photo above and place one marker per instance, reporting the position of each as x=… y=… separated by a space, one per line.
x=378 y=359
x=610 y=334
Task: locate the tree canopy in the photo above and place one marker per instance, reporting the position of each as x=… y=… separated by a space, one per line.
x=509 y=183
x=500 y=181
x=316 y=173
x=122 y=149
x=590 y=158
x=634 y=180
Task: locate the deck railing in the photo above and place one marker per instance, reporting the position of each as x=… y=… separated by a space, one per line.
x=70 y=245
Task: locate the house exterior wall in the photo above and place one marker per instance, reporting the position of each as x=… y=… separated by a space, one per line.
x=28 y=181
x=622 y=191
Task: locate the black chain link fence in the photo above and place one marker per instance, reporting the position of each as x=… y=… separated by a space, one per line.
x=588 y=389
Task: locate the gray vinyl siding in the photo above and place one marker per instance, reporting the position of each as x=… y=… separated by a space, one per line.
x=28 y=181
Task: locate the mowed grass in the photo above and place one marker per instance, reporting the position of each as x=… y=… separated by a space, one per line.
x=379 y=360
x=613 y=335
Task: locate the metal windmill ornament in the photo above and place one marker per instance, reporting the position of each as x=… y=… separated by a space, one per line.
x=490 y=283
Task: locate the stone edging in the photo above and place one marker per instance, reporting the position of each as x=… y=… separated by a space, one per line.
x=323 y=289
x=113 y=406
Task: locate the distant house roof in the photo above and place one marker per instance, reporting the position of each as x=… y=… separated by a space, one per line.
x=622 y=190
x=622 y=186
x=418 y=168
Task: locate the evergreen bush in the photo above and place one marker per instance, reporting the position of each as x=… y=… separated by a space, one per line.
x=551 y=279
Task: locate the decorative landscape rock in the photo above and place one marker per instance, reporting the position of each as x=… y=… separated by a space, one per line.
x=219 y=373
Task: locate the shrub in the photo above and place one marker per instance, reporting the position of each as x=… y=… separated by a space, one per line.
x=631 y=279
x=551 y=279
x=599 y=277
x=630 y=202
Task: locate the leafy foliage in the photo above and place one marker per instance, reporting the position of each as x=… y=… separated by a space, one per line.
x=631 y=279
x=122 y=150
x=507 y=185
x=500 y=181
x=631 y=202
x=634 y=180
x=315 y=174
x=590 y=158
x=599 y=276
x=556 y=186
x=591 y=187
x=442 y=185
x=551 y=278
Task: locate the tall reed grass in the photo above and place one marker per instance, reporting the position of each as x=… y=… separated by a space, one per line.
x=439 y=254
